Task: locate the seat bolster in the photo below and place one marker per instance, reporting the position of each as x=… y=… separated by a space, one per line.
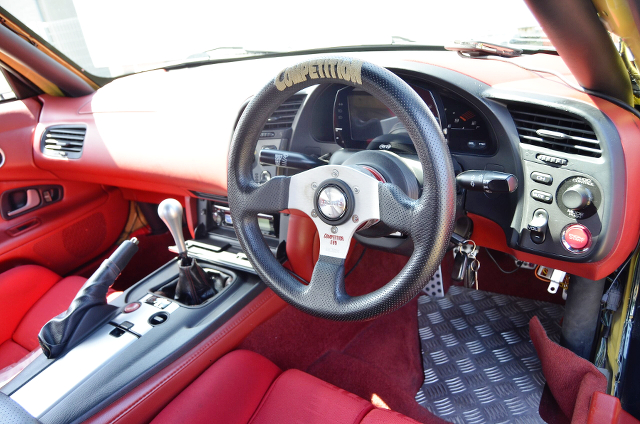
x=10 y=353
x=20 y=289
x=245 y=387
x=52 y=303
x=229 y=391
x=297 y=397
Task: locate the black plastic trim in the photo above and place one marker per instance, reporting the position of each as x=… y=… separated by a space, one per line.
x=608 y=171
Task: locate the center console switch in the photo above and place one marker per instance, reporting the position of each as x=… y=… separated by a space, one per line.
x=139 y=321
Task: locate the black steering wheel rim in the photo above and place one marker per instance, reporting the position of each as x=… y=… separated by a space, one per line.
x=428 y=220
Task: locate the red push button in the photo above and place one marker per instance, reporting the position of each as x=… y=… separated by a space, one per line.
x=131 y=307
x=576 y=237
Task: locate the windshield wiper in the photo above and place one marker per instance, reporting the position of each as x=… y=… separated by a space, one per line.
x=225 y=52
x=479 y=48
x=214 y=55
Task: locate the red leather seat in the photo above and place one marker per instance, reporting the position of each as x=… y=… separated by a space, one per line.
x=244 y=387
x=30 y=296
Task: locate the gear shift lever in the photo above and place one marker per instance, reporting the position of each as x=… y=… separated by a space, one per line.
x=170 y=211
x=193 y=286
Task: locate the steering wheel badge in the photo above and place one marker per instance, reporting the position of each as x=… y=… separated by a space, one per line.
x=334 y=202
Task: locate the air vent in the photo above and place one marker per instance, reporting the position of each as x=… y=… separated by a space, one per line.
x=283 y=117
x=63 y=141
x=555 y=130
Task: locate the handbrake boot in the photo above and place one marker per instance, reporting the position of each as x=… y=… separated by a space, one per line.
x=89 y=309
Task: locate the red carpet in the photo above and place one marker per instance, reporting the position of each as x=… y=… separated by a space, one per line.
x=380 y=357
x=571 y=380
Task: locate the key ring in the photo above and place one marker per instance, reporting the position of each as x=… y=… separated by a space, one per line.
x=474 y=250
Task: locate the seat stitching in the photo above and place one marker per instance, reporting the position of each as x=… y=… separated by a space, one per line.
x=265 y=397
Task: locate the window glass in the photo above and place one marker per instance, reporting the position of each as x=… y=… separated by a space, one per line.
x=6 y=93
x=115 y=37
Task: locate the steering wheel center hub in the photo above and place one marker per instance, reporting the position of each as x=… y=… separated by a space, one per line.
x=334 y=202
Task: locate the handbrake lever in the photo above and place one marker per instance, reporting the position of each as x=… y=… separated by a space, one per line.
x=89 y=309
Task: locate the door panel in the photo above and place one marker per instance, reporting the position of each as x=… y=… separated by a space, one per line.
x=71 y=223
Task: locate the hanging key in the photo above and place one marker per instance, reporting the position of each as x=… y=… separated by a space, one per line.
x=474 y=268
x=460 y=264
x=471 y=279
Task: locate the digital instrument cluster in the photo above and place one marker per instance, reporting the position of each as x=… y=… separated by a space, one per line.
x=358 y=118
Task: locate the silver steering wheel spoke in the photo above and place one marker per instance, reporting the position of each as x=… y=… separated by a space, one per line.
x=339 y=199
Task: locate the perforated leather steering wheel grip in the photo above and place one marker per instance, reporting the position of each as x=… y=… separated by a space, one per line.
x=428 y=220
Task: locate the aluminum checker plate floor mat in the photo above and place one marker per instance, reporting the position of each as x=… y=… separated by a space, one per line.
x=479 y=363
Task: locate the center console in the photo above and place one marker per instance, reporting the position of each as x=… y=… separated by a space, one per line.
x=147 y=331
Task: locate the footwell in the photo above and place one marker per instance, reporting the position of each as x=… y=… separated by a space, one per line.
x=479 y=363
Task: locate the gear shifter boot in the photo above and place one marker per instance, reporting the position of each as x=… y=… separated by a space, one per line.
x=194 y=286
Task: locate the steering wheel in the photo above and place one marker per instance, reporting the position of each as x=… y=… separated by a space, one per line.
x=340 y=199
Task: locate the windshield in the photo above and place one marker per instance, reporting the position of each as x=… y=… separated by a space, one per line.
x=117 y=37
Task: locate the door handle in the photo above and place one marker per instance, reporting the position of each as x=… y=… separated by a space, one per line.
x=33 y=200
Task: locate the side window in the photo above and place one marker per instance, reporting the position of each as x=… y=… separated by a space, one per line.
x=6 y=93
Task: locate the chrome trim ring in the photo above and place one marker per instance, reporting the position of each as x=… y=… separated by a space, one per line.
x=566 y=245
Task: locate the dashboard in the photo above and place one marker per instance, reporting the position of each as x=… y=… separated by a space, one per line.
x=563 y=156
x=572 y=154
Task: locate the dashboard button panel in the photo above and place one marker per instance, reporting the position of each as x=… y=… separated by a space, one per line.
x=542 y=196
x=542 y=178
x=557 y=243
